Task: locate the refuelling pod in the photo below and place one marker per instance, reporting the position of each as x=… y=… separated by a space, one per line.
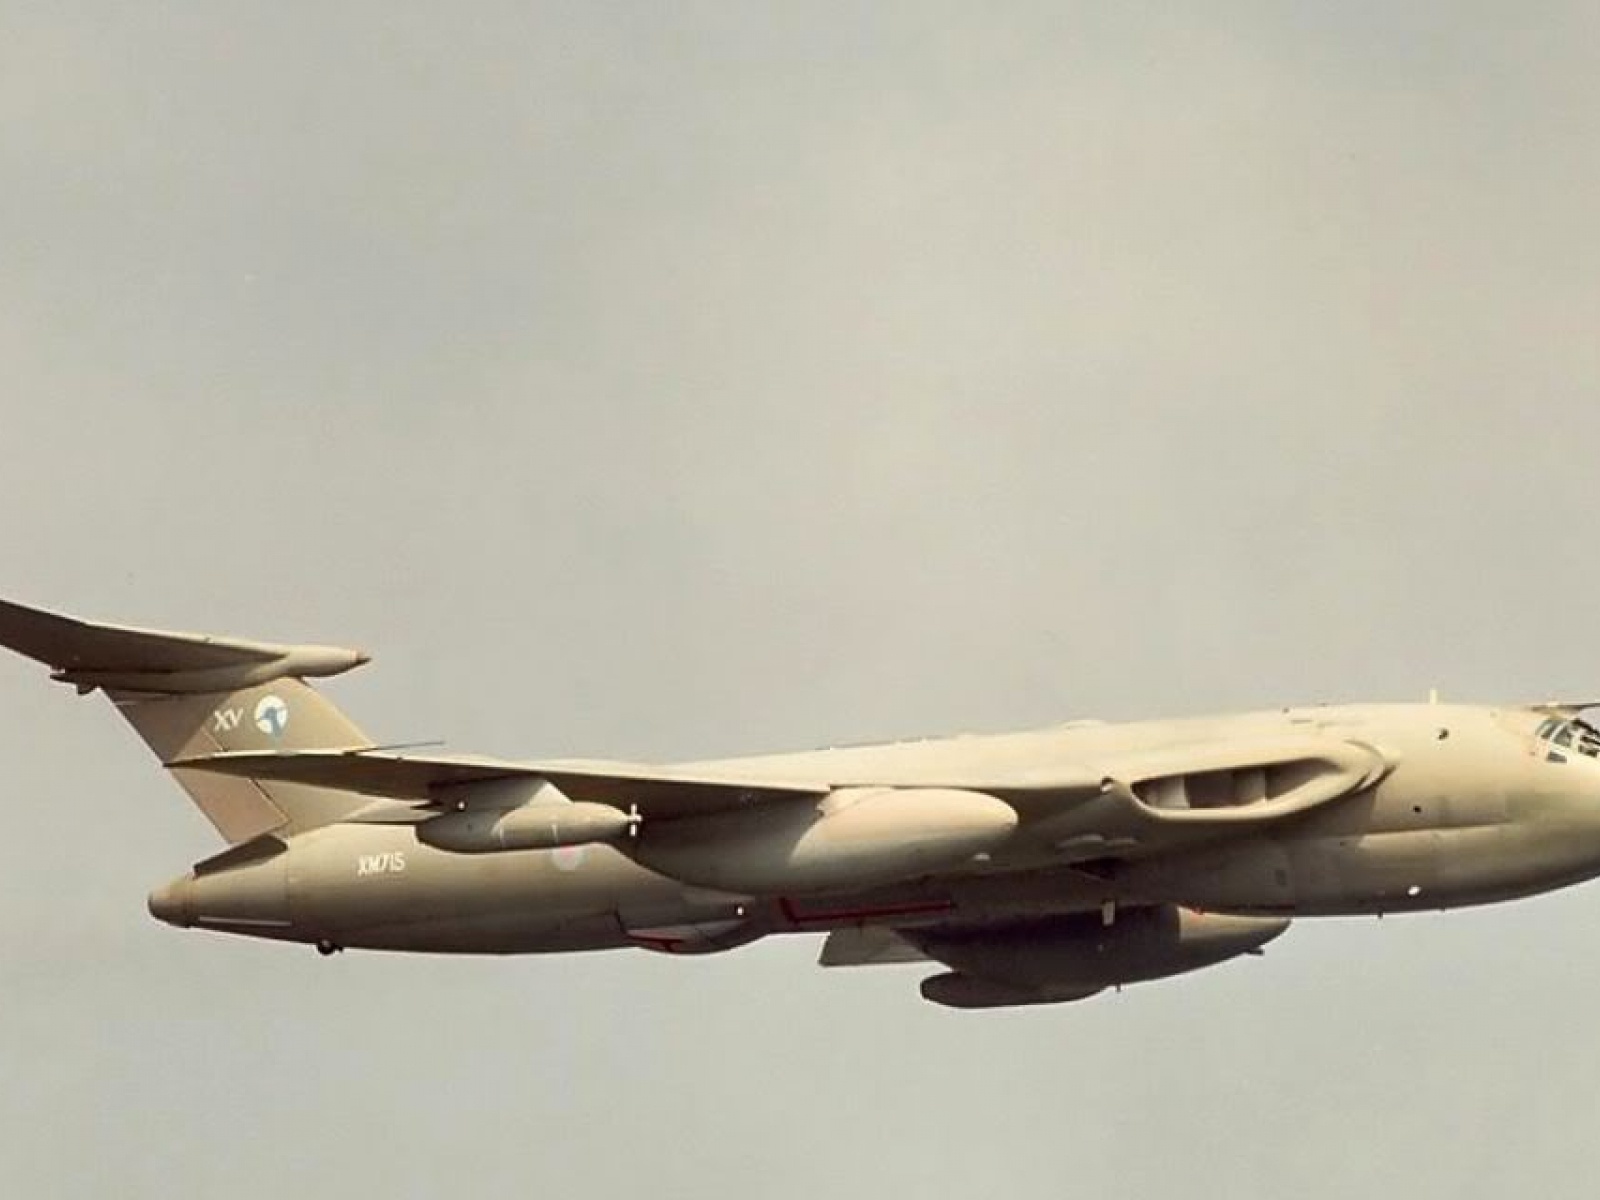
x=857 y=837
x=517 y=816
x=1068 y=958
x=533 y=827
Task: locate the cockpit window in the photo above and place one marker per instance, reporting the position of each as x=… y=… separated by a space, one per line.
x=1574 y=734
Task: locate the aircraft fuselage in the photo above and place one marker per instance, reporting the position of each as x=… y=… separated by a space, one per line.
x=1475 y=806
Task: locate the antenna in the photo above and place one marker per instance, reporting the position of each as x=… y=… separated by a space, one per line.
x=387 y=746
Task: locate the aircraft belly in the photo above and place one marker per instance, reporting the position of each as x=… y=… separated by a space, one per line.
x=1420 y=870
x=1377 y=872
x=1392 y=871
x=1322 y=875
x=1479 y=866
x=493 y=933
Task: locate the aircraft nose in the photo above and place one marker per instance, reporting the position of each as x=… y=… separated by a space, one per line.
x=173 y=902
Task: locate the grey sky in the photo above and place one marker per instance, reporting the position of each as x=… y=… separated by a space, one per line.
x=673 y=380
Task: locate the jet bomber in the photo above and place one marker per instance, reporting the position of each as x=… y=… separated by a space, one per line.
x=1021 y=868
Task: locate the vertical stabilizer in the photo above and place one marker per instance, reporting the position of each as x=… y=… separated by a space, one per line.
x=190 y=695
x=287 y=714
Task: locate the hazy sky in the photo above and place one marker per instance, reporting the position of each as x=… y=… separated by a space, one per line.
x=671 y=380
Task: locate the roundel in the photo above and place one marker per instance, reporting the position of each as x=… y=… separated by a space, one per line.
x=272 y=715
x=567 y=858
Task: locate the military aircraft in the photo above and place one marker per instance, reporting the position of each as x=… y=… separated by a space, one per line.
x=1031 y=868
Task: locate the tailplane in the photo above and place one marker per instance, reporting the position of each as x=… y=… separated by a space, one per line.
x=190 y=695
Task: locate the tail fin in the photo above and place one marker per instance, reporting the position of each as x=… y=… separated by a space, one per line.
x=287 y=714
x=188 y=695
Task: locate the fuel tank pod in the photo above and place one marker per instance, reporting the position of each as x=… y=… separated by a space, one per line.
x=857 y=837
x=955 y=990
x=1069 y=957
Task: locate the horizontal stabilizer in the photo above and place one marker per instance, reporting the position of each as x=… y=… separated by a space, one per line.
x=92 y=655
x=658 y=792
